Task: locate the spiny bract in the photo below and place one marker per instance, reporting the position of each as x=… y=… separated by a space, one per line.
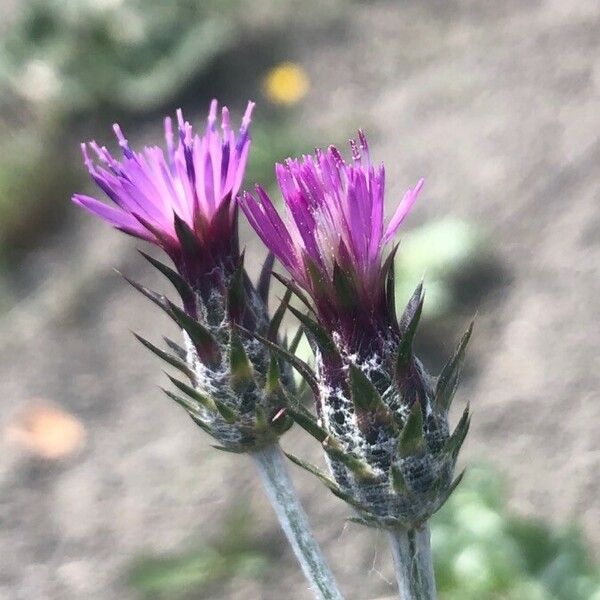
x=236 y=387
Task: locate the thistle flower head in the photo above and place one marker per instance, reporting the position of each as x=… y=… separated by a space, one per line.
x=335 y=236
x=183 y=200
x=382 y=419
x=174 y=196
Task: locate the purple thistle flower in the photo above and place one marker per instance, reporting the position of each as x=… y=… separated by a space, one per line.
x=333 y=244
x=183 y=199
x=382 y=420
x=191 y=187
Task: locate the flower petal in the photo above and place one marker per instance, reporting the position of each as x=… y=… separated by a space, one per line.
x=403 y=209
x=115 y=216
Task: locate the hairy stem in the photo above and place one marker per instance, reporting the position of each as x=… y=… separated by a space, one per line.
x=273 y=471
x=413 y=563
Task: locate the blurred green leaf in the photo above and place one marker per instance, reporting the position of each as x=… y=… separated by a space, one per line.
x=438 y=252
x=481 y=551
x=132 y=54
x=233 y=554
x=35 y=181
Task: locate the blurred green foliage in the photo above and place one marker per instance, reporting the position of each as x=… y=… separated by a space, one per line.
x=482 y=552
x=193 y=573
x=34 y=184
x=441 y=252
x=130 y=54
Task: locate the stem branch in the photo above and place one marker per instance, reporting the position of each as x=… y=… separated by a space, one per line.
x=292 y=518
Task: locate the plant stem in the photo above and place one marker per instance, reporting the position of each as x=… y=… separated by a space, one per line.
x=411 y=549
x=273 y=471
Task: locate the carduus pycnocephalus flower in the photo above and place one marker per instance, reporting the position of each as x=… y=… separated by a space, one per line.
x=184 y=201
x=383 y=421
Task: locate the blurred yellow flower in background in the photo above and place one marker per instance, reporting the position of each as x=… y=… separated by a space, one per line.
x=286 y=83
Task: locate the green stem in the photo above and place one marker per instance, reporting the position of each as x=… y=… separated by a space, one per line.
x=411 y=549
x=272 y=468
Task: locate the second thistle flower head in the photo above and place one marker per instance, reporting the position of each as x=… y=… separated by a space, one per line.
x=333 y=244
x=381 y=418
x=183 y=200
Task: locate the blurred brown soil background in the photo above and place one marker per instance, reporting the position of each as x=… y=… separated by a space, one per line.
x=497 y=105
